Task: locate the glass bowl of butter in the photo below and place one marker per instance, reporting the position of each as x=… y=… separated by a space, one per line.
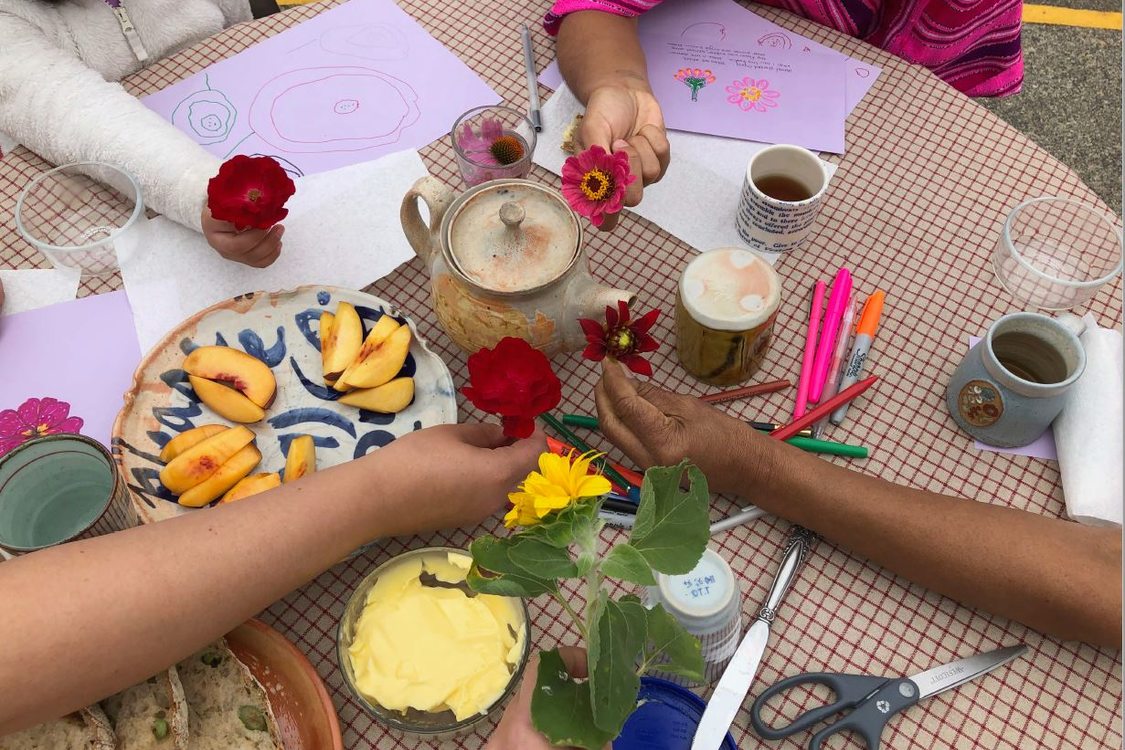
x=425 y=655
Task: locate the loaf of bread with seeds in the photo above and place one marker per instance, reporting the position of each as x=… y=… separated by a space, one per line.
x=227 y=708
x=150 y=716
x=88 y=729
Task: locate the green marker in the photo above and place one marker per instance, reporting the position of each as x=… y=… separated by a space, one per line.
x=828 y=447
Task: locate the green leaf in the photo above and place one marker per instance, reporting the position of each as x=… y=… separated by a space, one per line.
x=625 y=563
x=559 y=529
x=636 y=622
x=672 y=526
x=613 y=652
x=494 y=572
x=540 y=559
x=561 y=707
x=670 y=648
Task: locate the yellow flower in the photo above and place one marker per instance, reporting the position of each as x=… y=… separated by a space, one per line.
x=560 y=481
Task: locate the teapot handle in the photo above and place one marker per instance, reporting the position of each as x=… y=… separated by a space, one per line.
x=438 y=198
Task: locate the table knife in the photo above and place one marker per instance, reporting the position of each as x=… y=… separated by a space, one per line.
x=736 y=680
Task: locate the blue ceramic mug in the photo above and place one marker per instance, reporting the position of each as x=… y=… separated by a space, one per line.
x=1015 y=381
x=59 y=488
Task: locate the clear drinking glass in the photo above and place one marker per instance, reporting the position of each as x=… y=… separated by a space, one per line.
x=493 y=143
x=1054 y=253
x=75 y=213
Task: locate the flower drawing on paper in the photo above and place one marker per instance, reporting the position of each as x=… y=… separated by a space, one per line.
x=34 y=418
x=207 y=114
x=695 y=79
x=560 y=482
x=752 y=95
x=621 y=338
x=594 y=182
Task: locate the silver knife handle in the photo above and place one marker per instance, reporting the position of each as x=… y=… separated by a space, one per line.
x=800 y=544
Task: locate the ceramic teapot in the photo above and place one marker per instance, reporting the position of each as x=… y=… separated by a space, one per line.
x=506 y=259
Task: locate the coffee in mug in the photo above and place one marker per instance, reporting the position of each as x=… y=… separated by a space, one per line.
x=726 y=304
x=1015 y=381
x=781 y=197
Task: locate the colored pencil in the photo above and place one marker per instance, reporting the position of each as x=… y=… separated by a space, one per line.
x=843 y=397
x=750 y=390
x=827 y=447
x=612 y=474
x=810 y=350
x=633 y=477
x=591 y=423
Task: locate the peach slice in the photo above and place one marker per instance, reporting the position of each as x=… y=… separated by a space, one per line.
x=327 y=342
x=301 y=460
x=202 y=460
x=379 y=360
x=389 y=398
x=252 y=485
x=228 y=475
x=187 y=439
x=379 y=332
x=226 y=402
x=247 y=375
x=341 y=345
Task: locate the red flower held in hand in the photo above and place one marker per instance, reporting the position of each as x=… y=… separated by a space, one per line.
x=593 y=183
x=250 y=191
x=620 y=338
x=515 y=381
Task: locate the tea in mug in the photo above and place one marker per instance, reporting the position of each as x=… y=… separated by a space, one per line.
x=783 y=188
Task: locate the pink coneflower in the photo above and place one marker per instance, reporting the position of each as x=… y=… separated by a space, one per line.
x=593 y=183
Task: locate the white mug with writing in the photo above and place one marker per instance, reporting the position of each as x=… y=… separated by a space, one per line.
x=781 y=196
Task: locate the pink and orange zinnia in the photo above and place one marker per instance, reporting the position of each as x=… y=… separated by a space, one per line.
x=594 y=182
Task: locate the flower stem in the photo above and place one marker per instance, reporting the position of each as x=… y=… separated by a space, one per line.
x=574 y=616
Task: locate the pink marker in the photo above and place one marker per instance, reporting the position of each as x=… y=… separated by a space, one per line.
x=837 y=303
x=810 y=350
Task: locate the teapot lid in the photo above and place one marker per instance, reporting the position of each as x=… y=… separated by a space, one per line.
x=512 y=235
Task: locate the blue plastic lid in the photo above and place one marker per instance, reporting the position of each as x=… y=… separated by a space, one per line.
x=665 y=720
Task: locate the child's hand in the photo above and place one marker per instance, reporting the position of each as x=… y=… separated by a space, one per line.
x=628 y=118
x=254 y=247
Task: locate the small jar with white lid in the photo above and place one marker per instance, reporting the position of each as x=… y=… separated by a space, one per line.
x=708 y=603
x=726 y=303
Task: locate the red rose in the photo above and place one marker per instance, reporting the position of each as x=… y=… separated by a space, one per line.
x=515 y=381
x=250 y=191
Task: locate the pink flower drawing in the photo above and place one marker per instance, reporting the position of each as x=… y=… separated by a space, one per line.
x=34 y=418
x=750 y=94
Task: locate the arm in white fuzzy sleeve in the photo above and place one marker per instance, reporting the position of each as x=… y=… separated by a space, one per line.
x=51 y=102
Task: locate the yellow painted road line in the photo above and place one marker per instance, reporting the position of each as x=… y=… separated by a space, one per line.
x=1054 y=15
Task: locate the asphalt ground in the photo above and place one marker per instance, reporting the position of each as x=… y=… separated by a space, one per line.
x=1071 y=98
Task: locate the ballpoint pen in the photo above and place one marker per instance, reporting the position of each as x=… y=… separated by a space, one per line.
x=533 y=112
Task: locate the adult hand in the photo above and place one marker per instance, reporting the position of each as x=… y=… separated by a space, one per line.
x=628 y=118
x=451 y=475
x=655 y=427
x=515 y=731
x=254 y=247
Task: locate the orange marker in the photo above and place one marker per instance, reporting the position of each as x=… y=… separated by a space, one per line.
x=864 y=337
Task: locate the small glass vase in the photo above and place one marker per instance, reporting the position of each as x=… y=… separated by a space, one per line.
x=492 y=143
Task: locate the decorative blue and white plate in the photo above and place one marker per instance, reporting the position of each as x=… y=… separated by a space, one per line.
x=282 y=330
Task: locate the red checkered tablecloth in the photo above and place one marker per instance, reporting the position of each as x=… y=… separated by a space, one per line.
x=914 y=209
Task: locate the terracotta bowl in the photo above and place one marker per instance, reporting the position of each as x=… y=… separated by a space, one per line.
x=304 y=710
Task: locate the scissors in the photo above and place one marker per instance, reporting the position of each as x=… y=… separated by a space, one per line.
x=871 y=701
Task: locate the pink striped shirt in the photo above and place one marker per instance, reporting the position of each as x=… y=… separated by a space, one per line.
x=972 y=44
